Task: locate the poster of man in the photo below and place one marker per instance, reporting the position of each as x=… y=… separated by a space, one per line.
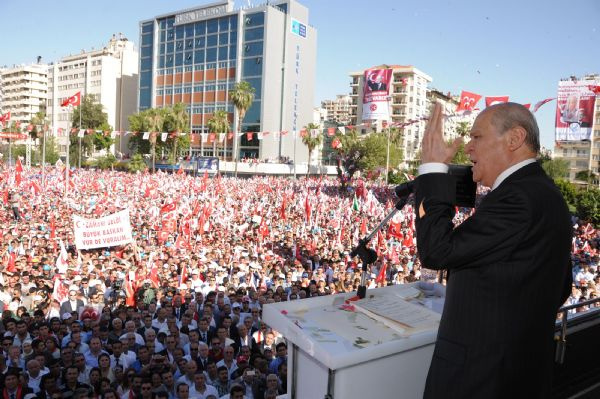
x=375 y=94
x=574 y=111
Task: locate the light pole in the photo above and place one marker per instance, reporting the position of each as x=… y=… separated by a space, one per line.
x=387 y=157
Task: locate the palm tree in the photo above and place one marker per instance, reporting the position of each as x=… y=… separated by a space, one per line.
x=241 y=96
x=154 y=120
x=311 y=141
x=180 y=121
x=218 y=124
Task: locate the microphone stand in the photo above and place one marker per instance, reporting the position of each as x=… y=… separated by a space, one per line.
x=368 y=255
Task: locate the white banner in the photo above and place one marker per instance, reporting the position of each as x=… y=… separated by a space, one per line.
x=108 y=231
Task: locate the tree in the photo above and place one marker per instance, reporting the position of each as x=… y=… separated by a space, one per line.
x=312 y=141
x=555 y=168
x=138 y=123
x=463 y=128
x=176 y=121
x=587 y=203
x=92 y=117
x=349 y=153
x=586 y=176
x=568 y=191
x=137 y=164
x=219 y=123
x=242 y=97
x=106 y=162
x=154 y=120
x=374 y=150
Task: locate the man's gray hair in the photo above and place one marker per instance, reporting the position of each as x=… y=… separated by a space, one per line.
x=506 y=116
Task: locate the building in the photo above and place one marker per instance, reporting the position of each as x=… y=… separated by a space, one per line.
x=24 y=91
x=338 y=110
x=583 y=155
x=196 y=56
x=320 y=115
x=408 y=101
x=109 y=75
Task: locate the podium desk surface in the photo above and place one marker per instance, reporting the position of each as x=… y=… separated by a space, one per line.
x=340 y=335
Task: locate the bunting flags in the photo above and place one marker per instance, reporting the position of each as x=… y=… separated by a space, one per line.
x=540 y=103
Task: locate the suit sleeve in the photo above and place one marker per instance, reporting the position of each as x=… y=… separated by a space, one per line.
x=497 y=225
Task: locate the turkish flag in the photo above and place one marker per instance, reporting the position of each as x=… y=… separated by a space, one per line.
x=594 y=89
x=336 y=143
x=162 y=237
x=5 y=117
x=303 y=133
x=213 y=136
x=495 y=100
x=331 y=131
x=168 y=207
x=282 y=210
x=468 y=101
x=19 y=166
x=74 y=100
x=528 y=105
x=249 y=136
x=263 y=229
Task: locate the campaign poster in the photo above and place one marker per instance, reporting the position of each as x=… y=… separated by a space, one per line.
x=107 y=231
x=376 y=89
x=574 y=111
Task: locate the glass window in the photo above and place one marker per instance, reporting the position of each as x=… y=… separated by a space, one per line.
x=232 y=52
x=200 y=42
x=169 y=61
x=170 y=46
x=189 y=44
x=163 y=36
x=253 y=34
x=179 y=32
x=170 y=22
x=200 y=28
x=199 y=56
x=223 y=24
x=147 y=51
x=212 y=26
x=255 y=19
x=252 y=67
x=145 y=98
x=147 y=27
x=223 y=38
x=170 y=34
x=145 y=79
x=233 y=37
x=233 y=22
x=163 y=24
x=147 y=39
x=211 y=40
x=189 y=30
x=146 y=64
x=223 y=53
x=188 y=58
x=178 y=59
x=211 y=54
x=161 y=62
x=253 y=49
x=179 y=45
x=253 y=113
x=257 y=84
x=162 y=49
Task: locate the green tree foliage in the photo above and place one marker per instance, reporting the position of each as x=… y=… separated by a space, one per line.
x=374 y=150
x=461 y=157
x=242 y=97
x=219 y=123
x=36 y=152
x=173 y=120
x=588 y=205
x=312 y=142
x=568 y=190
x=106 y=162
x=555 y=168
x=92 y=117
x=137 y=164
x=586 y=176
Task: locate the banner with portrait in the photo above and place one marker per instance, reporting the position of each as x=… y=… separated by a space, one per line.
x=574 y=111
x=376 y=89
x=108 y=231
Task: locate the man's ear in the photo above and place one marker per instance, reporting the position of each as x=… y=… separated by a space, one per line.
x=516 y=137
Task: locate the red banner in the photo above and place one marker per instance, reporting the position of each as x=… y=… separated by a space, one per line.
x=13 y=135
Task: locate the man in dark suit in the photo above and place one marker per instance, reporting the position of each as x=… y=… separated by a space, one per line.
x=85 y=289
x=71 y=304
x=509 y=264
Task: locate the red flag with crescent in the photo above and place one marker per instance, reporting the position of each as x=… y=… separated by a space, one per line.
x=74 y=100
x=495 y=100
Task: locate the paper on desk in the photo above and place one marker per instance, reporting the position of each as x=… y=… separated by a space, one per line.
x=406 y=317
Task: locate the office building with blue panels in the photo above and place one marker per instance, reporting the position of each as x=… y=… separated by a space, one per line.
x=196 y=56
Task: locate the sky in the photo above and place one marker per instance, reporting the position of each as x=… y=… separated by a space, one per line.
x=516 y=48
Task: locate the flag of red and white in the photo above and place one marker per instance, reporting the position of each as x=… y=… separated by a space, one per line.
x=468 y=101
x=336 y=143
x=62 y=259
x=60 y=291
x=528 y=105
x=540 y=103
x=331 y=131
x=307 y=209
x=381 y=276
x=74 y=100
x=19 y=165
x=5 y=117
x=594 y=89
x=489 y=101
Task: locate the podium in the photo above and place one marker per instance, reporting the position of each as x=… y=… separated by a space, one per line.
x=337 y=351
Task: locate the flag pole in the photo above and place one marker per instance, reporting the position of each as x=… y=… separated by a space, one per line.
x=44 y=159
x=79 y=166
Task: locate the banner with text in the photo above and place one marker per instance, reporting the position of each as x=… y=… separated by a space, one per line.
x=376 y=88
x=108 y=231
x=574 y=111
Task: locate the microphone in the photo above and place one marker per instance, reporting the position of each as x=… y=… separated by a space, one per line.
x=404 y=189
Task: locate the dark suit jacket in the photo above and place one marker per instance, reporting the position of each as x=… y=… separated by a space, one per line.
x=509 y=272
x=65 y=307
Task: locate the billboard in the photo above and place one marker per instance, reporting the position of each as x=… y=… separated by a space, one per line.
x=107 y=231
x=574 y=111
x=208 y=164
x=376 y=90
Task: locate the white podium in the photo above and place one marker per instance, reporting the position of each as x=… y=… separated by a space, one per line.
x=339 y=353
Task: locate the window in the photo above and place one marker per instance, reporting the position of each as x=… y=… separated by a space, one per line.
x=252 y=66
x=255 y=19
x=253 y=34
x=211 y=40
x=211 y=54
x=212 y=26
x=253 y=49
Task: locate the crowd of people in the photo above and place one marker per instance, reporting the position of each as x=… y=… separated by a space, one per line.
x=177 y=312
